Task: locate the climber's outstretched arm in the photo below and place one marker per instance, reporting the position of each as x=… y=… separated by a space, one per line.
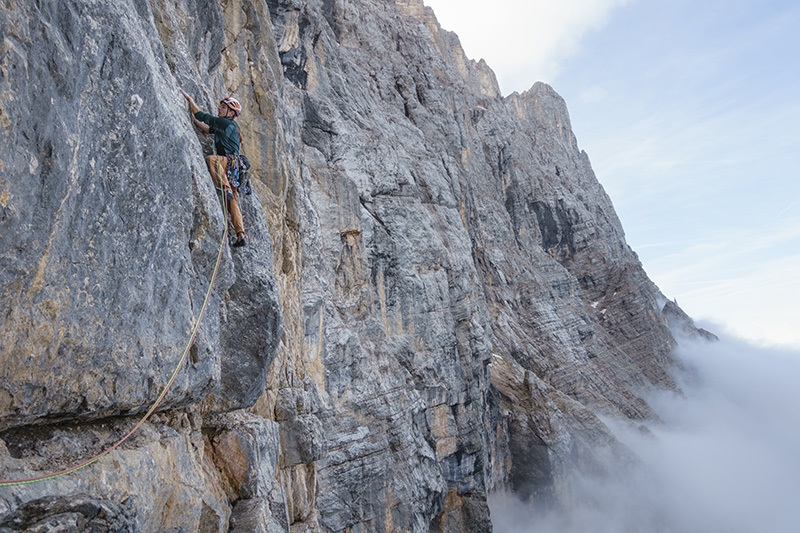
x=193 y=108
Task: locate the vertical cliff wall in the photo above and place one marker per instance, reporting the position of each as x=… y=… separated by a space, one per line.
x=436 y=299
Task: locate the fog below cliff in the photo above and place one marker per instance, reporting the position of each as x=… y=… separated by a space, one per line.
x=725 y=459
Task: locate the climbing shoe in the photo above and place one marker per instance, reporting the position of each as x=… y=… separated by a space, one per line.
x=229 y=194
x=239 y=242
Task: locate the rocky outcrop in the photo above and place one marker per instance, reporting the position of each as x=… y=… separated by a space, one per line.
x=70 y=513
x=436 y=299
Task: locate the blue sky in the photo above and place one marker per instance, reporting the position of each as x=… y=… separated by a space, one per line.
x=690 y=114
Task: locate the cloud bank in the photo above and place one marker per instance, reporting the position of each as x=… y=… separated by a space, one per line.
x=725 y=458
x=523 y=42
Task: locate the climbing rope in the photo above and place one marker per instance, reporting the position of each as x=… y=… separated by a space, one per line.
x=195 y=329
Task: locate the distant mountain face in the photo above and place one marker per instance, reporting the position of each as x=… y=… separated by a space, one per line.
x=436 y=300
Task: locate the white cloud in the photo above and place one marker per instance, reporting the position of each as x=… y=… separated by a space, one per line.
x=724 y=459
x=522 y=41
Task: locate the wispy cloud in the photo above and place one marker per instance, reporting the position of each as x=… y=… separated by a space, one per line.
x=523 y=42
x=745 y=279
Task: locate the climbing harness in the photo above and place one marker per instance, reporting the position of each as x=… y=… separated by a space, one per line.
x=195 y=329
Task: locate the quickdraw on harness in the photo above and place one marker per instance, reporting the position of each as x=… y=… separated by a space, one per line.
x=238 y=172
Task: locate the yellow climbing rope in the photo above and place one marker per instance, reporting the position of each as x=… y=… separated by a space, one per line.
x=195 y=329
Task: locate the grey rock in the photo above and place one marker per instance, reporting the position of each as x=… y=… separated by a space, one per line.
x=683 y=325
x=244 y=449
x=255 y=516
x=110 y=229
x=436 y=299
x=302 y=440
x=78 y=512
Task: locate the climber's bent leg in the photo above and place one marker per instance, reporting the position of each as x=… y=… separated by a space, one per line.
x=236 y=213
x=218 y=167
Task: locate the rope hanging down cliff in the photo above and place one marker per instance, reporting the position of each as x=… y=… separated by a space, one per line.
x=195 y=329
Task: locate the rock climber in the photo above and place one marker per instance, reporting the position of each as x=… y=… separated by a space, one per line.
x=227 y=141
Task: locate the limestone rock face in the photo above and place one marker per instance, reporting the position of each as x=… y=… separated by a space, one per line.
x=436 y=299
x=111 y=226
x=69 y=513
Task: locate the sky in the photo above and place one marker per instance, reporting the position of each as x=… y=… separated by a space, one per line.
x=690 y=114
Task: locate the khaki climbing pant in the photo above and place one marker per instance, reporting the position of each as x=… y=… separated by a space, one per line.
x=218 y=166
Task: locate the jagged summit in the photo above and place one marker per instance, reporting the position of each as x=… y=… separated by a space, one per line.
x=436 y=299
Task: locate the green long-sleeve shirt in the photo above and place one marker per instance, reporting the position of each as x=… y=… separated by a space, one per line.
x=225 y=130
